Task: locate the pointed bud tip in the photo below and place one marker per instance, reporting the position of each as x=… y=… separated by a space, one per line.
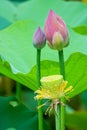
x=39 y=39
x=53 y=24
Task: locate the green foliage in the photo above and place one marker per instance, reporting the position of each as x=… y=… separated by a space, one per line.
x=8 y=10
x=81 y=29
x=34 y=10
x=17 y=57
x=21 y=56
x=22 y=118
x=76 y=78
x=84 y=98
x=16 y=46
x=76 y=73
x=18 y=61
x=4 y=23
x=74 y=16
x=18 y=0
x=17 y=117
x=77 y=120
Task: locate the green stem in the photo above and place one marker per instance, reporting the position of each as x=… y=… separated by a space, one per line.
x=40 y=113
x=63 y=115
x=60 y=120
x=18 y=91
x=62 y=72
x=61 y=64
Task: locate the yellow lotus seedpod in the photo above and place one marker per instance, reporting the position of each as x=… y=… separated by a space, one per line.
x=50 y=81
x=52 y=87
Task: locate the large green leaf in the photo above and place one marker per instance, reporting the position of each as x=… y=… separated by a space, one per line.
x=84 y=98
x=77 y=120
x=75 y=17
x=34 y=9
x=81 y=29
x=4 y=23
x=18 y=56
x=16 y=46
x=76 y=73
x=74 y=13
x=78 y=42
x=8 y=10
x=17 y=117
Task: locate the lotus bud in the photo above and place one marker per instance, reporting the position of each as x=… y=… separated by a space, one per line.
x=39 y=39
x=56 y=32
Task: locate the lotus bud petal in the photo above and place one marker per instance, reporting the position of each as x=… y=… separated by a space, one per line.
x=39 y=39
x=56 y=32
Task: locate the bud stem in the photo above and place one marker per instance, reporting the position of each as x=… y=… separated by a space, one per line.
x=60 y=120
x=61 y=63
x=40 y=113
x=62 y=72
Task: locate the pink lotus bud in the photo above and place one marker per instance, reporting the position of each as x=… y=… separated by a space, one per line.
x=56 y=32
x=39 y=39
